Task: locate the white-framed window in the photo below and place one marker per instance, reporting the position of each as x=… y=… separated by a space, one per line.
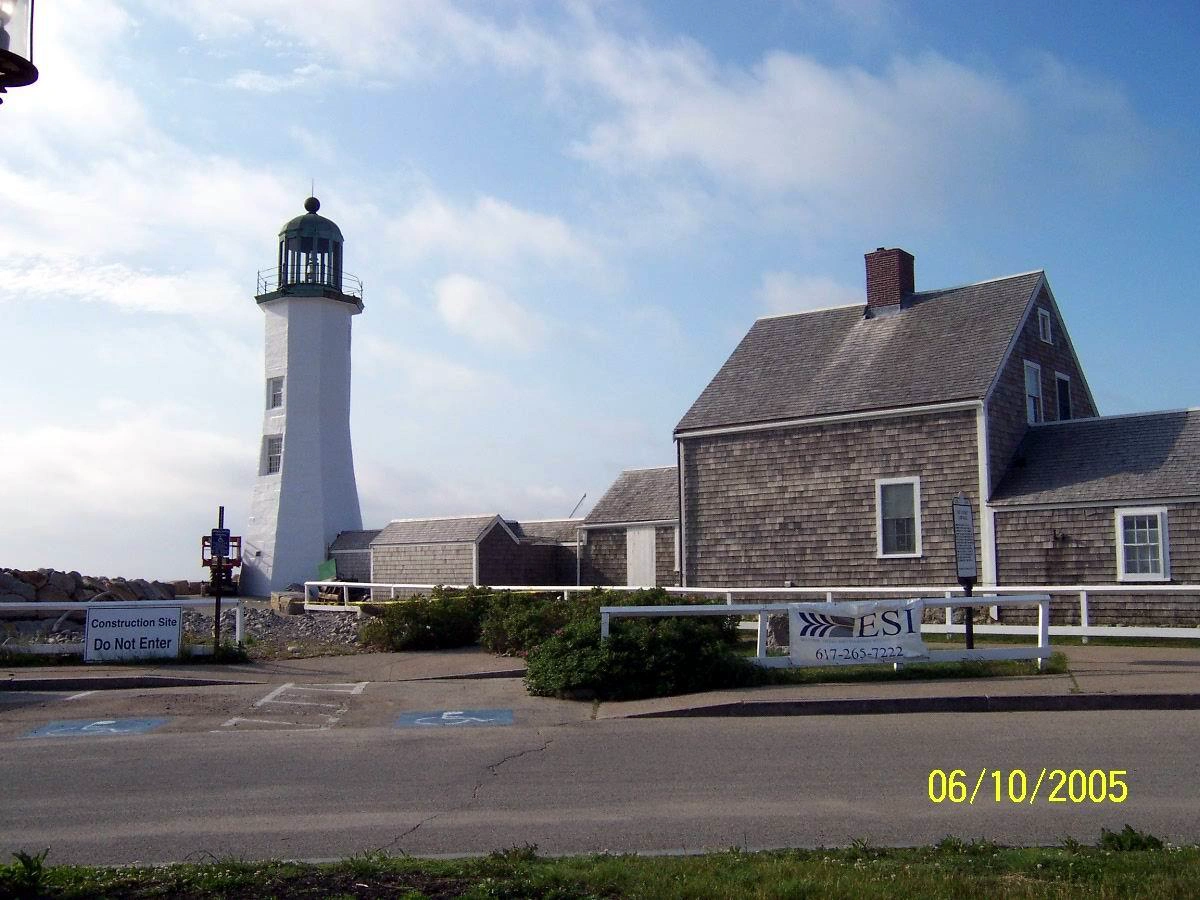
x=272 y=454
x=1142 y=549
x=898 y=517
x=1045 y=326
x=275 y=392
x=1033 y=393
x=1062 y=390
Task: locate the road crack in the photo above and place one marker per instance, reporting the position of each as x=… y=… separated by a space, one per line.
x=493 y=771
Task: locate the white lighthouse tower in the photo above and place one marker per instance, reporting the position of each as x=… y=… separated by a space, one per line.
x=305 y=492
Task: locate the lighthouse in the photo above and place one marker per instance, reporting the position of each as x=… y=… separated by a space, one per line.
x=305 y=493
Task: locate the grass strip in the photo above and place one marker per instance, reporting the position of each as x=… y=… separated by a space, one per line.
x=1123 y=864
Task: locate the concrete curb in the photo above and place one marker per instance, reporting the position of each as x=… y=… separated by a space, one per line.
x=111 y=682
x=895 y=705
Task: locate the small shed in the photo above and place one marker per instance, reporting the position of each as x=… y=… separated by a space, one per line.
x=351 y=553
x=631 y=536
x=481 y=549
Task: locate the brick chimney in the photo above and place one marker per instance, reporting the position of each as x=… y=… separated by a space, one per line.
x=889 y=277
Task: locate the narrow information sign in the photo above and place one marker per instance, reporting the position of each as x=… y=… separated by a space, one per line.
x=964 y=539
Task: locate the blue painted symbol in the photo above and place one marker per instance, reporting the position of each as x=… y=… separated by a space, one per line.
x=75 y=727
x=455 y=717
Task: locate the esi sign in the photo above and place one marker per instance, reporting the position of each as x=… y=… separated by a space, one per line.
x=132 y=631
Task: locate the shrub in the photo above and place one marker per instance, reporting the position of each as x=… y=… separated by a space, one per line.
x=516 y=623
x=641 y=658
x=448 y=618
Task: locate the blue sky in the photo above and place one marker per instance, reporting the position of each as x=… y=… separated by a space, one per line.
x=565 y=216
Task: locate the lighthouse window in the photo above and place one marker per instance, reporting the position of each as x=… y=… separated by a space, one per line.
x=272 y=460
x=275 y=392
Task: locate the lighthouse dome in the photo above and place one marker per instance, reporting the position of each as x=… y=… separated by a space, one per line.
x=311 y=225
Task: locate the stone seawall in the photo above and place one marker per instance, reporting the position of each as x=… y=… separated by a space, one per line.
x=53 y=586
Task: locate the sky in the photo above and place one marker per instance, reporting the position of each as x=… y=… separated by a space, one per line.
x=565 y=216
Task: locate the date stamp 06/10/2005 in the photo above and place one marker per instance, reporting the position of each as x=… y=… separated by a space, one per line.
x=1015 y=786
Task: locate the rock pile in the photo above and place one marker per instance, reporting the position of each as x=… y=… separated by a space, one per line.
x=53 y=586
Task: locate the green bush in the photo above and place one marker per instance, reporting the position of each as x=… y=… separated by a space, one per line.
x=516 y=623
x=448 y=618
x=641 y=658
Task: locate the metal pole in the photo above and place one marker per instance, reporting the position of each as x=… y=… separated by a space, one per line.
x=218 y=564
x=969 y=612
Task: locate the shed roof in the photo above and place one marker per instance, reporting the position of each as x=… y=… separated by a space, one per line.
x=938 y=347
x=448 y=530
x=353 y=540
x=556 y=531
x=639 y=495
x=1108 y=458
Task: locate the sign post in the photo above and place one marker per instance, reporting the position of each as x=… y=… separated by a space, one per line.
x=221 y=554
x=964 y=557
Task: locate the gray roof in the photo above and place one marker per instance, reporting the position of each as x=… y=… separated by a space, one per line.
x=454 y=530
x=353 y=540
x=1112 y=458
x=940 y=346
x=552 y=531
x=639 y=495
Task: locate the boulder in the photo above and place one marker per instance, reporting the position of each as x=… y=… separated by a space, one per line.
x=62 y=581
x=52 y=593
x=12 y=586
x=121 y=591
x=777 y=631
x=78 y=579
x=287 y=603
x=165 y=591
x=33 y=578
x=141 y=587
x=83 y=594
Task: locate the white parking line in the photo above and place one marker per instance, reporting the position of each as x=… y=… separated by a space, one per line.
x=276 y=697
x=80 y=695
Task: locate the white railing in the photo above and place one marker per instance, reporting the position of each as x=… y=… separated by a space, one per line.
x=764 y=610
x=1083 y=630
x=68 y=607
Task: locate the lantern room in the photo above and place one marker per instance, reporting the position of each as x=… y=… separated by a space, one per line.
x=310 y=261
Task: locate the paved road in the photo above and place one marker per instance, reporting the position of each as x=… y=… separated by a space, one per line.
x=322 y=770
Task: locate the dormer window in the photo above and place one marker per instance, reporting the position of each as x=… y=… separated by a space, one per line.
x=1045 y=326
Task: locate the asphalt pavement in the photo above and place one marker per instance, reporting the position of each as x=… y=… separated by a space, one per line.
x=1099 y=678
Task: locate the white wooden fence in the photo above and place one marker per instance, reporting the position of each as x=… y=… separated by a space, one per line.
x=1082 y=592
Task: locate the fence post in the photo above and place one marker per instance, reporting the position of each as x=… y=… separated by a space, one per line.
x=829 y=596
x=1083 y=613
x=393 y=590
x=239 y=622
x=1043 y=627
x=763 y=618
x=729 y=598
x=949 y=616
x=603 y=626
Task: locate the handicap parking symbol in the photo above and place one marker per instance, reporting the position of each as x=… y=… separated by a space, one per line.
x=455 y=717
x=92 y=727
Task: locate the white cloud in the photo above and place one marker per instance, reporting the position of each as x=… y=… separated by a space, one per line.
x=123 y=494
x=265 y=83
x=485 y=314
x=787 y=292
x=492 y=231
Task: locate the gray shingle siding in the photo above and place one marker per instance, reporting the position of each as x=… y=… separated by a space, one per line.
x=352 y=565
x=422 y=564
x=1006 y=414
x=798 y=504
x=602 y=558
x=1078 y=546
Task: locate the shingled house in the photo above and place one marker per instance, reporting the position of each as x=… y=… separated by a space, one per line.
x=829 y=446
x=631 y=536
